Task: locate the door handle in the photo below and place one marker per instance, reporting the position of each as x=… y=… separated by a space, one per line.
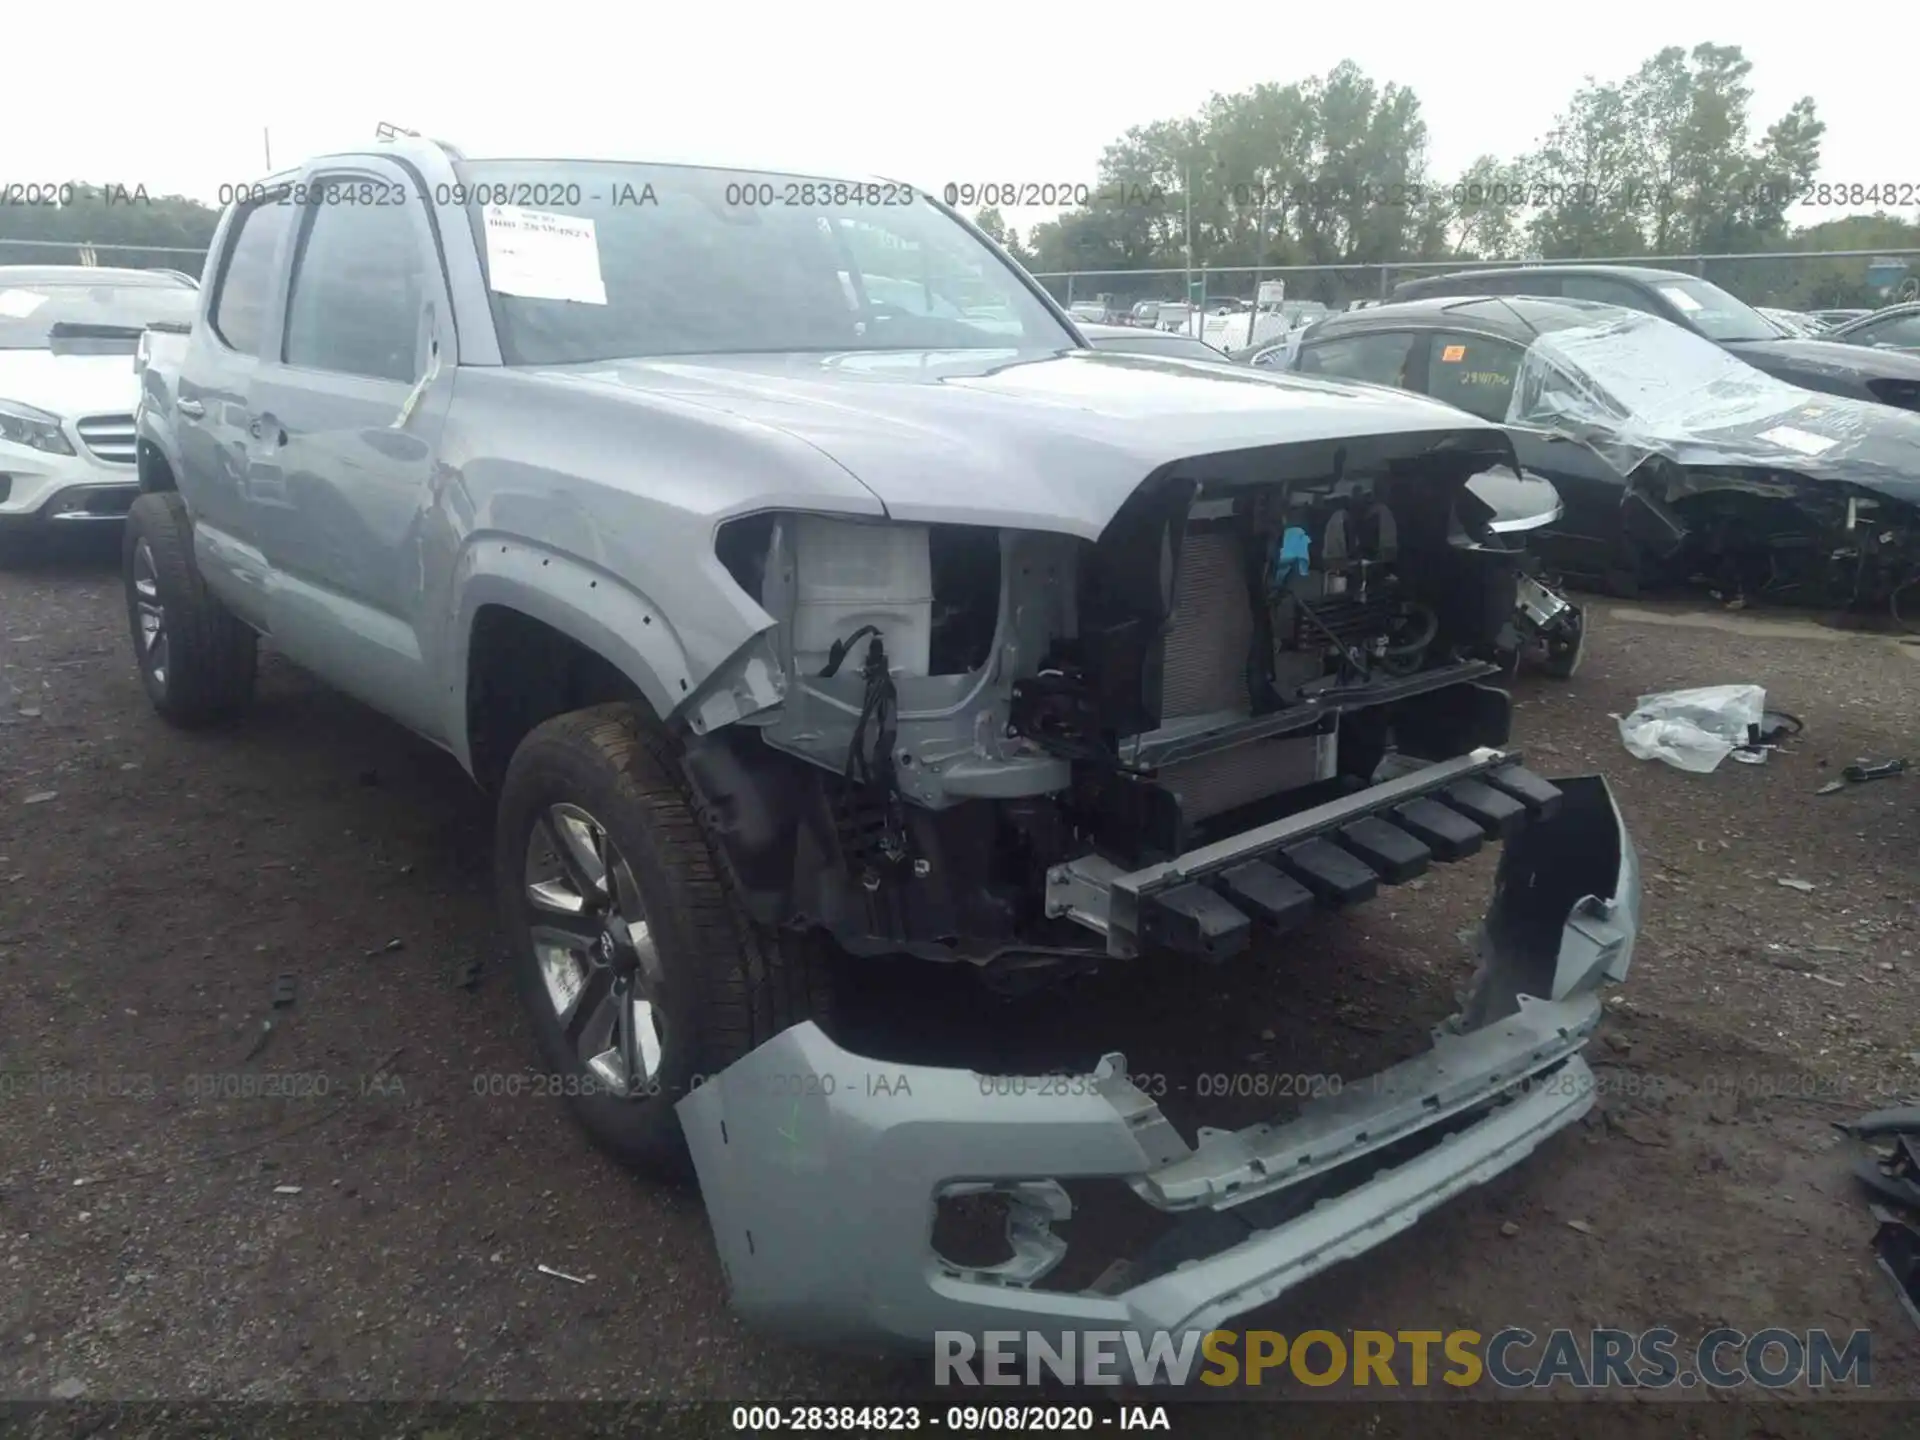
x=192 y=409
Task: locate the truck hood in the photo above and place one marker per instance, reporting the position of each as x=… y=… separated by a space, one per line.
x=1056 y=442
x=69 y=385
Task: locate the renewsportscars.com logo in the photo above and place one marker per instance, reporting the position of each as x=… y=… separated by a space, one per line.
x=1513 y=1358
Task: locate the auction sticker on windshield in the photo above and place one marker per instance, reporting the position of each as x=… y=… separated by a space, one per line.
x=542 y=256
x=18 y=304
x=1680 y=297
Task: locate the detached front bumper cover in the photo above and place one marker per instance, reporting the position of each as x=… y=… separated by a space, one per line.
x=821 y=1170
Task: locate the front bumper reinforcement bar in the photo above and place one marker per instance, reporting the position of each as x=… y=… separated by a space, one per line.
x=1208 y=901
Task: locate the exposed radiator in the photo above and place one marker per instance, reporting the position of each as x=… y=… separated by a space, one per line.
x=1205 y=658
x=1205 y=671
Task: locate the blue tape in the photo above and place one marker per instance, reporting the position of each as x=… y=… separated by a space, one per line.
x=1294 y=556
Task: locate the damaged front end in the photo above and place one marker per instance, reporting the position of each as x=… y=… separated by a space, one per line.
x=953 y=736
x=1767 y=534
x=1732 y=480
x=1258 y=695
x=822 y=1171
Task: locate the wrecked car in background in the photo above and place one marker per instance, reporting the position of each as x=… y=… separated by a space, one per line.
x=1697 y=305
x=782 y=619
x=1677 y=463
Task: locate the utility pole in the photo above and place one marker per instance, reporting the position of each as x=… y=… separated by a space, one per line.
x=266 y=142
x=1188 y=297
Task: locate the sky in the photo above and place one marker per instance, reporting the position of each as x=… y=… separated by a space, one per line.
x=984 y=92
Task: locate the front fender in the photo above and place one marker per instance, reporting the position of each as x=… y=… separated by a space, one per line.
x=153 y=426
x=582 y=601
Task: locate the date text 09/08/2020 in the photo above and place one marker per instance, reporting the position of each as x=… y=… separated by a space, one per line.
x=964 y=1419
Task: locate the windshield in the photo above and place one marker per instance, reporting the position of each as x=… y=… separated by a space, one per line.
x=29 y=312
x=598 y=261
x=1714 y=313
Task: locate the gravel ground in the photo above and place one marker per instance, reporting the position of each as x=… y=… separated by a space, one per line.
x=366 y=1223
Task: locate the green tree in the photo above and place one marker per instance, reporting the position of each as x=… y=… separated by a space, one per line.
x=1664 y=162
x=989 y=219
x=1488 y=202
x=110 y=215
x=1327 y=170
x=1590 y=164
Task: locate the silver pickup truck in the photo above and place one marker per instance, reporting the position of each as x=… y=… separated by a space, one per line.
x=786 y=621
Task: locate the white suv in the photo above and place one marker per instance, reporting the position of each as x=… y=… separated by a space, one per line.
x=68 y=388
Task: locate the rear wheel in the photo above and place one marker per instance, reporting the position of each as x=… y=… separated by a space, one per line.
x=641 y=974
x=196 y=659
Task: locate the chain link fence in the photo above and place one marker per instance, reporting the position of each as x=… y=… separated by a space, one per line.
x=1790 y=280
x=190 y=259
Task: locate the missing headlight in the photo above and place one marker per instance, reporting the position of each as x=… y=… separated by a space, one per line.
x=932 y=591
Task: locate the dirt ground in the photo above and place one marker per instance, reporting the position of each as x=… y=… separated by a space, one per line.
x=154 y=886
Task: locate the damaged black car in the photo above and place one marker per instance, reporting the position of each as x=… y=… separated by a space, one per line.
x=1678 y=464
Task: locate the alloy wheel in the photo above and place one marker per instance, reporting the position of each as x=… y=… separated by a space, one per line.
x=594 y=951
x=152 y=615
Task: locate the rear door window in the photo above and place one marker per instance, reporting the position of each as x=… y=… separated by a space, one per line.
x=245 y=296
x=359 y=285
x=1474 y=372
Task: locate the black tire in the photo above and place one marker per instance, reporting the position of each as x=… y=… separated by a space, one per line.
x=729 y=986
x=210 y=657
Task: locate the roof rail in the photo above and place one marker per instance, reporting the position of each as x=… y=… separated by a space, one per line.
x=387 y=130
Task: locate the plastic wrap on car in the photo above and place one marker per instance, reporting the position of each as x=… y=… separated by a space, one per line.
x=1668 y=391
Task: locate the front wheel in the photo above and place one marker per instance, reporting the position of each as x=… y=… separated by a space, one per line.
x=641 y=974
x=197 y=659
